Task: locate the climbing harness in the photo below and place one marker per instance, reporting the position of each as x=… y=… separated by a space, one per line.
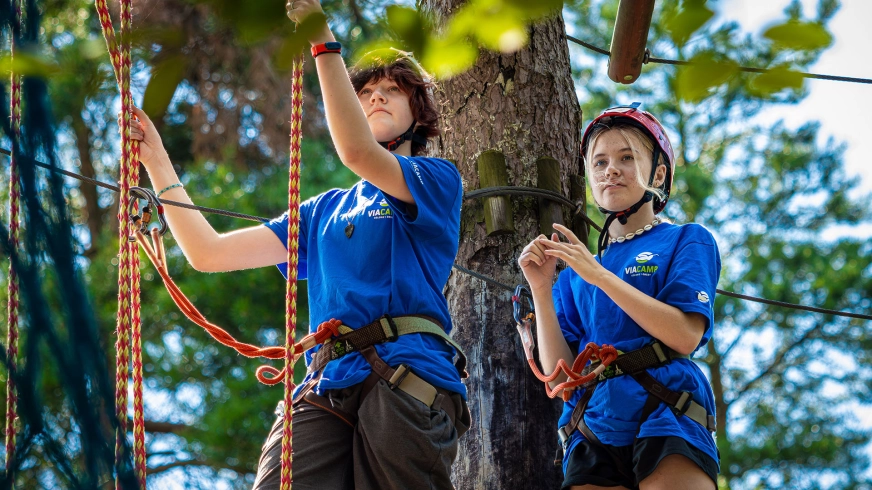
x=605 y=363
x=633 y=116
x=12 y=286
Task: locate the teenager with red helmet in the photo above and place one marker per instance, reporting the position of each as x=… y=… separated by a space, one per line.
x=647 y=421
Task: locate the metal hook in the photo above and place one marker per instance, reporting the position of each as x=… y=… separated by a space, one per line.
x=153 y=206
x=517 y=303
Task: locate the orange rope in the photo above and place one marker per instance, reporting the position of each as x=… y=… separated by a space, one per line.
x=327 y=330
x=592 y=352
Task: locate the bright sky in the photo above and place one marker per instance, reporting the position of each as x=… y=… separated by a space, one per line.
x=842 y=108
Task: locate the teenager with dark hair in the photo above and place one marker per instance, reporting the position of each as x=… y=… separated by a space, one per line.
x=383 y=405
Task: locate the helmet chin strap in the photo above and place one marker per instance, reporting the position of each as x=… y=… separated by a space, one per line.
x=622 y=216
x=409 y=135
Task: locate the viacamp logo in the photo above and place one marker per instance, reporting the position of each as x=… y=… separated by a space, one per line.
x=644 y=257
x=642 y=270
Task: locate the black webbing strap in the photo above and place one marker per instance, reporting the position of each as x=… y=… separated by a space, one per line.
x=681 y=403
x=636 y=363
x=653 y=355
x=385 y=329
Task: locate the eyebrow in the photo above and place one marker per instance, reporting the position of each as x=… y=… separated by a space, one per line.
x=621 y=150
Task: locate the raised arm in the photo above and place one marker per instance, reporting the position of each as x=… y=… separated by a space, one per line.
x=206 y=249
x=349 y=129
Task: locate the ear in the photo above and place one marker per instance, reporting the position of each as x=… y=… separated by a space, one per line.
x=659 y=175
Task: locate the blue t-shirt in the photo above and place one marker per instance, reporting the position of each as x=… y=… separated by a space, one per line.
x=396 y=261
x=678 y=265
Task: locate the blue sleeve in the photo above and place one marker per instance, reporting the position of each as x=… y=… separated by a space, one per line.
x=567 y=313
x=279 y=226
x=437 y=189
x=693 y=276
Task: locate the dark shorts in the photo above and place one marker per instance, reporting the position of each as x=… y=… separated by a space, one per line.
x=396 y=443
x=612 y=466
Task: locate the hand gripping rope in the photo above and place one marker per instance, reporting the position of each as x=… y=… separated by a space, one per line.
x=592 y=352
x=14 y=223
x=128 y=329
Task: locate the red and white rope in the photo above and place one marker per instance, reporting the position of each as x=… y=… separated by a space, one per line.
x=128 y=325
x=13 y=295
x=293 y=260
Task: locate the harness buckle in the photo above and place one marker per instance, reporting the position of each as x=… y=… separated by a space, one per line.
x=683 y=403
x=399 y=375
x=564 y=437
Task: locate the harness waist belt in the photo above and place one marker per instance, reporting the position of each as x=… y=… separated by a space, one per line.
x=385 y=329
x=635 y=363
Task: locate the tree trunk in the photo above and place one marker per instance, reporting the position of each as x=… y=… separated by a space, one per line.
x=524 y=106
x=93 y=212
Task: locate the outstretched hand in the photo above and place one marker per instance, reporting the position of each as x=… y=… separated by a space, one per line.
x=575 y=254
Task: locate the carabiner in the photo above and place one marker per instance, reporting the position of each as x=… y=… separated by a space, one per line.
x=143 y=221
x=517 y=303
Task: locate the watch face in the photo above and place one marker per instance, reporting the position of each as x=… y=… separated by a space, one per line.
x=332 y=45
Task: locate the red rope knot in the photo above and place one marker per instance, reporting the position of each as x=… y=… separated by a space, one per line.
x=269 y=375
x=332 y=326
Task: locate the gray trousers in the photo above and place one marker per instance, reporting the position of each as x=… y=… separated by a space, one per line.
x=397 y=443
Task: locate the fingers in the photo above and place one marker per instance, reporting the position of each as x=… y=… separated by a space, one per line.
x=570 y=236
x=140 y=114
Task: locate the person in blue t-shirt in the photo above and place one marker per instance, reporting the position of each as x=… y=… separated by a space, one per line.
x=382 y=410
x=649 y=289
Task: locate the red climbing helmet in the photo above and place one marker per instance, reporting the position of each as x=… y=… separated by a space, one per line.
x=633 y=116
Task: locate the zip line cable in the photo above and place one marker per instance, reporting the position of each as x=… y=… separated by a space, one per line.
x=747 y=69
x=490 y=191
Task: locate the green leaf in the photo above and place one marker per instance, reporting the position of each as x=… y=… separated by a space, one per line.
x=446 y=58
x=28 y=64
x=295 y=43
x=503 y=33
x=695 y=82
x=165 y=78
x=409 y=25
x=688 y=20
x=780 y=78
x=793 y=34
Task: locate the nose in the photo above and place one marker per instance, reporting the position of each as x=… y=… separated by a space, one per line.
x=377 y=95
x=611 y=169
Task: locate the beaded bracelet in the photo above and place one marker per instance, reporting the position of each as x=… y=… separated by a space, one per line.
x=177 y=184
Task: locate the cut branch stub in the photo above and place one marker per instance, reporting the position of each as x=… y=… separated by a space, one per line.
x=550 y=212
x=498 y=209
x=628 y=40
x=578 y=194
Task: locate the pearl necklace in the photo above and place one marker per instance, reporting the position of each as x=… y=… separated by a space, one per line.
x=632 y=234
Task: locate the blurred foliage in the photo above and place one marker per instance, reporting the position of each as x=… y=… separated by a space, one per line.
x=213 y=74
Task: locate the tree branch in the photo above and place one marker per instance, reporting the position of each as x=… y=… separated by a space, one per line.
x=775 y=363
x=156 y=427
x=197 y=462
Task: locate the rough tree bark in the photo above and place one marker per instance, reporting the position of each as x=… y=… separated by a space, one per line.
x=523 y=105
